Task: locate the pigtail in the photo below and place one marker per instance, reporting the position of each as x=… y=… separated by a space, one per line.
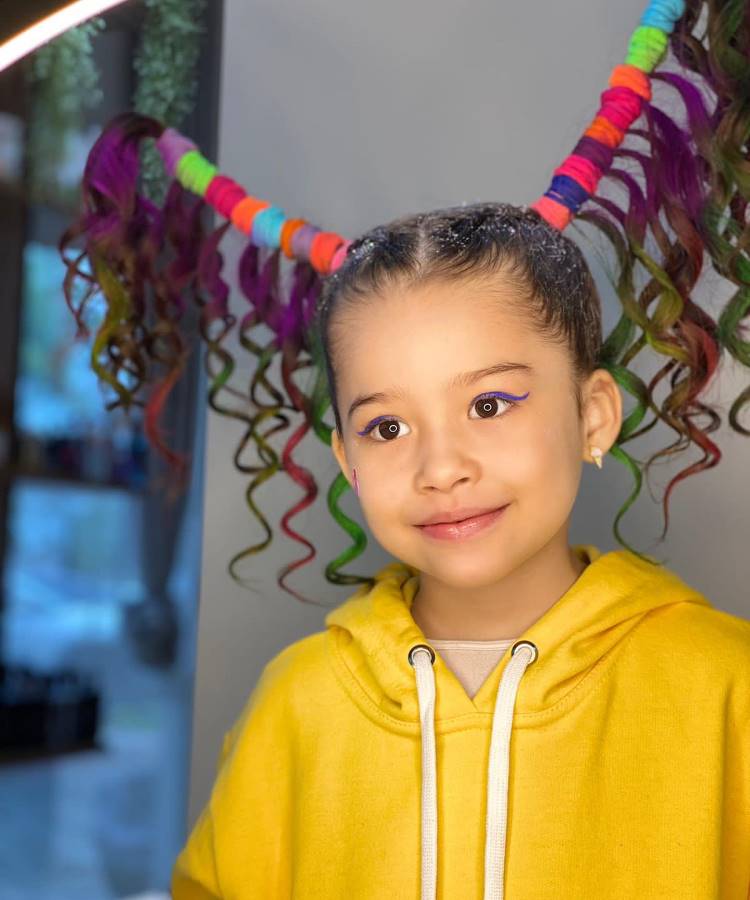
x=153 y=266
x=316 y=253
x=689 y=197
x=140 y=343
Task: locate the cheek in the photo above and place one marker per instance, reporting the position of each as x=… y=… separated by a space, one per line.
x=539 y=455
x=558 y=466
x=380 y=482
x=382 y=499
x=563 y=442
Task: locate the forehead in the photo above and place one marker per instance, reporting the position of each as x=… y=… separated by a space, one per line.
x=408 y=337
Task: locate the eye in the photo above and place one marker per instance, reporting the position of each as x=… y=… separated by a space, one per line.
x=385 y=427
x=488 y=404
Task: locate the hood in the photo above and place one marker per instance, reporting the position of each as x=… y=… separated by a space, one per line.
x=386 y=652
x=609 y=598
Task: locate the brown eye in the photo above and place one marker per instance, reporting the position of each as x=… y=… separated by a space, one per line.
x=387 y=430
x=487 y=407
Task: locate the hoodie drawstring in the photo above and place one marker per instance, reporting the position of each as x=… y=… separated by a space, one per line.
x=523 y=653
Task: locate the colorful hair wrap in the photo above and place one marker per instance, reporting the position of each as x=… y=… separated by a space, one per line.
x=266 y=225
x=576 y=180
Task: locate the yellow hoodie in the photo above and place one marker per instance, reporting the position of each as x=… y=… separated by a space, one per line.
x=608 y=757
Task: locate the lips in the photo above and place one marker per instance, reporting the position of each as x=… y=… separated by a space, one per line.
x=465 y=528
x=457 y=515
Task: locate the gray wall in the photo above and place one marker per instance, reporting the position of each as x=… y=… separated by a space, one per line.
x=348 y=114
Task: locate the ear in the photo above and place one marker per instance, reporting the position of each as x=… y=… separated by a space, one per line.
x=337 y=446
x=603 y=415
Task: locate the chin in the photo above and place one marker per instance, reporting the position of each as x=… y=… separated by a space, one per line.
x=468 y=570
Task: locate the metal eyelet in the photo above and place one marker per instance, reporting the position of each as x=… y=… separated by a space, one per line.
x=416 y=647
x=535 y=651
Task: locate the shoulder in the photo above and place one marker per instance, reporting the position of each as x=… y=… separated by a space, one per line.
x=302 y=657
x=280 y=696
x=707 y=632
x=295 y=673
x=704 y=646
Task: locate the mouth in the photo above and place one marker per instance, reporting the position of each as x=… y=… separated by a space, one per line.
x=465 y=528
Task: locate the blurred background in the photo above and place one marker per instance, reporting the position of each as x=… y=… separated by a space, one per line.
x=100 y=574
x=115 y=693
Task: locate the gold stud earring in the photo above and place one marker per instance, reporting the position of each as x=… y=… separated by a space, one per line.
x=597 y=454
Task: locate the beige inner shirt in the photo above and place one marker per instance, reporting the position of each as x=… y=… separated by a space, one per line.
x=471 y=661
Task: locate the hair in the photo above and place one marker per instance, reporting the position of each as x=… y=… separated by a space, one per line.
x=553 y=290
x=664 y=196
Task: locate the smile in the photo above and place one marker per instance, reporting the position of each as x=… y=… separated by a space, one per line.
x=466 y=528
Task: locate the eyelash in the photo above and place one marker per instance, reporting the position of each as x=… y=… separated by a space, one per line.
x=510 y=399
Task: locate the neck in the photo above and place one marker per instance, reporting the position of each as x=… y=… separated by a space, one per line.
x=503 y=609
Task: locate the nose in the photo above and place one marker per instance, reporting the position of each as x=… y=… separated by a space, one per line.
x=444 y=461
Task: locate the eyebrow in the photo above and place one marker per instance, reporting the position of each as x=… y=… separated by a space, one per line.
x=463 y=379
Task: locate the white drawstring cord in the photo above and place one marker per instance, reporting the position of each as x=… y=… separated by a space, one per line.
x=499 y=762
x=497 y=779
x=422 y=657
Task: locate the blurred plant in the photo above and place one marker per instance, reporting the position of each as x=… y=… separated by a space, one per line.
x=166 y=67
x=65 y=82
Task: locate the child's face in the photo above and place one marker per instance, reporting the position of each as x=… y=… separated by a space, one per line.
x=444 y=454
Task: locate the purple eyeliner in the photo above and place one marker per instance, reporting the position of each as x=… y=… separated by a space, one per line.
x=501 y=394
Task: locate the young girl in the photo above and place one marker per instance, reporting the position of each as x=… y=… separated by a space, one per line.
x=500 y=712
x=495 y=712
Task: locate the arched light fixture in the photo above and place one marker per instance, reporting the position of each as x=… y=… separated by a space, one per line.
x=35 y=22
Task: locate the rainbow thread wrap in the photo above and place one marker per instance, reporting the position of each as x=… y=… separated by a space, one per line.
x=629 y=85
x=266 y=225
x=573 y=182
